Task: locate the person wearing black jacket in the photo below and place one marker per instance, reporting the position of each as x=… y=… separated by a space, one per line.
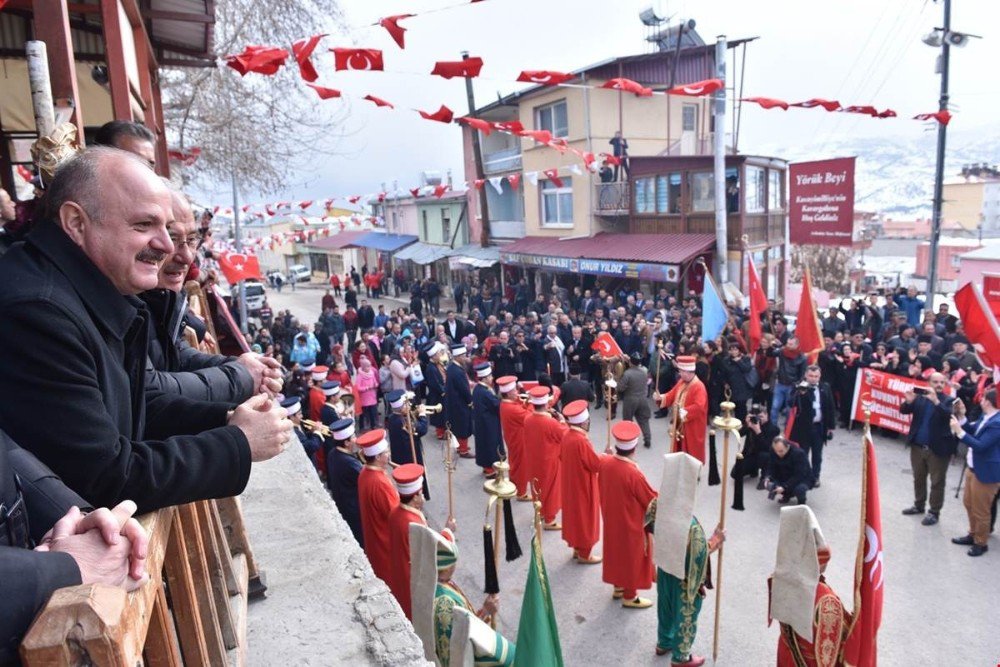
x=526 y=355
x=815 y=419
x=788 y=473
x=791 y=368
x=503 y=355
x=366 y=316
x=735 y=370
x=74 y=344
x=759 y=432
x=454 y=328
x=932 y=444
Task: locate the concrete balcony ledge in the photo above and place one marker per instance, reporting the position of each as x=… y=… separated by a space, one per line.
x=324 y=604
x=502 y=161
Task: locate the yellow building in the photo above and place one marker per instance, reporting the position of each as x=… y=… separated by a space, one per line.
x=973 y=202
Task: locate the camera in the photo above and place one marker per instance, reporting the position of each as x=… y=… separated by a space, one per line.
x=772 y=493
x=753 y=419
x=921 y=390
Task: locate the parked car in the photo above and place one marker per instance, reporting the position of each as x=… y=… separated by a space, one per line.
x=299 y=273
x=256 y=293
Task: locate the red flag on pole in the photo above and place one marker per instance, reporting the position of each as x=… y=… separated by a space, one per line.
x=606 y=345
x=980 y=324
x=807 y=327
x=758 y=304
x=237 y=266
x=861 y=646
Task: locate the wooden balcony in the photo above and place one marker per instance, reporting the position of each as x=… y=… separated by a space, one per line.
x=612 y=199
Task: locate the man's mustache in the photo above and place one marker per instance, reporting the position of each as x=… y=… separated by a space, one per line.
x=151 y=255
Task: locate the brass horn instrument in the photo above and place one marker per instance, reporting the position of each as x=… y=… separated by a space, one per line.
x=318 y=428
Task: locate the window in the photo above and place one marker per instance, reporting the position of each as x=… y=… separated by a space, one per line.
x=668 y=194
x=553 y=117
x=645 y=196
x=557 y=203
x=702 y=192
x=446 y=224
x=689 y=118
x=755 y=189
x=423 y=223
x=775 y=190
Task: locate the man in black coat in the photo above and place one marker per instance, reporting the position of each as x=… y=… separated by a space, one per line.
x=46 y=543
x=736 y=369
x=932 y=444
x=815 y=419
x=366 y=316
x=74 y=344
x=788 y=473
x=575 y=389
x=458 y=400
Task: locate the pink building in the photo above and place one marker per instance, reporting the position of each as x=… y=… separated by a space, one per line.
x=977 y=263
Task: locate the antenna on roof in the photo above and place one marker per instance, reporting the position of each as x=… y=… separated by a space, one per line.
x=652 y=22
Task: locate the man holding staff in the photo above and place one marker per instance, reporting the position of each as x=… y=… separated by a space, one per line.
x=689 y=423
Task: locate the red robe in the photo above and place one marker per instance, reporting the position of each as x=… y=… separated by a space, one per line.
x=377 y=497
x=316 y=400
x=695 y=426
x=581 y=517
x=399 y=543
x=541 y=456
x=628 y=549
x=512 y=416
x=830 y=624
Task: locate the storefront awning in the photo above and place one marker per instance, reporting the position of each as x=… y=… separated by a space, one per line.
x=655 y=257
x=385 y=242
x=338 y=241
x=475 y=255
x=422 y=253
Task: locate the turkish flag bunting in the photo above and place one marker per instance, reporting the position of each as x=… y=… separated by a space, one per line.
x=442 y=115
x=612 y=160
x=514 y=180
x=363 y=59
x=861 y=645
x=415 y=192
x=305 y=204
x=378 y=101
x=980 y=324
x=270 y=210
x=541 y=136
x=888 y=113
x=483 y=126
x=697 y=89
x=479 y=183
x=245 y=208
x=628 y=85
x=606 y=345
x=261 y=59
x=544 y=77
x=238 y=266
x=758 y=304
x=941 y=116
x=302 y=49
x=439 y=190
x=829 y=105
x=513 y=126
x=864 y=109
x=766 y=102
x=324 y=93
x=354 y=199
x=468 y=68
x=391 y=23
x=381 y=197
x=553 y=175
x=807 y=327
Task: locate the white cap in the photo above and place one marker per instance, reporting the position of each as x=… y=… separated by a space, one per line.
x=484 y=371
x=398 y=403
x=435 y=349
x=628 y=445
x=410 y=488
x=504 y=388
x=294 y=409
x=377 y=448
x=344 y=433
x=540 y=400
x=457 y=350
x=318 y=376
x=333 y=391
x=579 y=418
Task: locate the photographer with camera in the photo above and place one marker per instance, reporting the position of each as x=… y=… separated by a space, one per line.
x=814 y=418
x=759 y=432
x=788 y=472
x=931 y=443
x=791 y=369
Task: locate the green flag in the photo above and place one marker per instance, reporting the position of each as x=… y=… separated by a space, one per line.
x=537 y=633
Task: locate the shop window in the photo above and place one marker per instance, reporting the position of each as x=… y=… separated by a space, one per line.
x=756 y=184
x=668 y=194
x=557 y=203
x=702 y=192
x=553 y=117
x=776 y=190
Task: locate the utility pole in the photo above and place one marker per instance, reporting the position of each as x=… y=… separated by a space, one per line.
x=237 y=237
x=932 y=271
x=477 y=155
x=719 y=154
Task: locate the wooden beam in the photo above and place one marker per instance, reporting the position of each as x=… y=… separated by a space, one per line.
x=121 y=105
x=71 y=7
x=184 y=17
x=53 y=29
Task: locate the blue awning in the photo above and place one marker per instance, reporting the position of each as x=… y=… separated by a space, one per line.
x=385 y=242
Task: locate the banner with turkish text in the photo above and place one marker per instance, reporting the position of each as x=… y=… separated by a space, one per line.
x=991 y=290
x=821 y=202
x=883 y=393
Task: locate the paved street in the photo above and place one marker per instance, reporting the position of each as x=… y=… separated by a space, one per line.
x=939 y=603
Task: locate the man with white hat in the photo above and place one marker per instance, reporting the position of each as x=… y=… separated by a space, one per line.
x=311 y=442
x=690 y=400
x=333 y=408
x=317 y=376
x=681 y=553
x=486 y=420
x=626 y=497
x=452 y=630
x=581 y=512
x=397 y=426
x=409 y=480
x=343 y=467
x=814 y=624
x=547 y=428
x=513 y=412
x=434 y=376
x=377 y=498
x=458 y=400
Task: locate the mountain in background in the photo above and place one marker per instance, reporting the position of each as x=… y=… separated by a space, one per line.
x=895 y=175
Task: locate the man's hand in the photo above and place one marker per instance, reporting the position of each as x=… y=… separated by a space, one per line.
x=113 y=525
x=933 y=397
x=959 y=408
x=656 y=397
x=717 y=538
x=684 y=414
x=491 y=604
x=451 y=524
x=266 y=426
x=956 y=428
x=265 y=371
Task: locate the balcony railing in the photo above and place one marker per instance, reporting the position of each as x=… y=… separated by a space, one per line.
x=502 y=161
x=612 y=198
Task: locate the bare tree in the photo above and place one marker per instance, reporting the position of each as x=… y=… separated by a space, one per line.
x=262 y=128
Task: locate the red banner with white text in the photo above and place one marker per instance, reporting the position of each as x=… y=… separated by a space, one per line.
x=883 y=393
x=821 y=202
x=991 y=290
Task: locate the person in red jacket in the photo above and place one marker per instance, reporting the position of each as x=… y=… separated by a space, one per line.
x=547 y=428
x=409 y=479
x=581 y=512
x=316 y=396
x=689 y=397
x=513 y=412
x=335 y=284
x=377 y=498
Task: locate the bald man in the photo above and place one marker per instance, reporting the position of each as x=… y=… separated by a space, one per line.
x=74 y=343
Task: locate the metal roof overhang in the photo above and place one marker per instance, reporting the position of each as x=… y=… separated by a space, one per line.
x=422 y=253
x=385 y=242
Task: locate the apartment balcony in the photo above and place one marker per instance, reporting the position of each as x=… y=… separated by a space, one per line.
x=502 y=161
x=507 y=229
x=612 y=199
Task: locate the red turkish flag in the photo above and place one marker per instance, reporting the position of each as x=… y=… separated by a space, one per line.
x=807 y=327
x=980 y=324
x=479 y=183
x=324 y=93
x=628 y=85
x=302 y=49
x=483 y=126
x=514 y=180
x=697 y=89
x=467 y=67
x=612 y=160
x=544 y=77
x=270 y=210
x=415 y=192
x=513 y=126
x=758 y=304
x=391 y=23
x=354 y=199
x=888 y=113
x=378 y=101
x=606 y=345
x=237 y=266
x=863 y=109
x=381 y=197
x=766 y=102
x=553 y=175
x=363 y=59
x=439 y=190
x=261 y=59
x=305 y=204
x=941 y=116
x=442 y=115
x=245 y=208
x=541 y=136
x=829 y=105
x=861 y=645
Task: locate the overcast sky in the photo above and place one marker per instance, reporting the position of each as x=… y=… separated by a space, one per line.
x=856 y=51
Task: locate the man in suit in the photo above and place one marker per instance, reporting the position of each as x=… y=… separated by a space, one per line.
x=458 y=400
x=931 y=444
x=578 y=350
x=454 y=328
x=982 y=478
x=575 y=389
x=814 y=419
